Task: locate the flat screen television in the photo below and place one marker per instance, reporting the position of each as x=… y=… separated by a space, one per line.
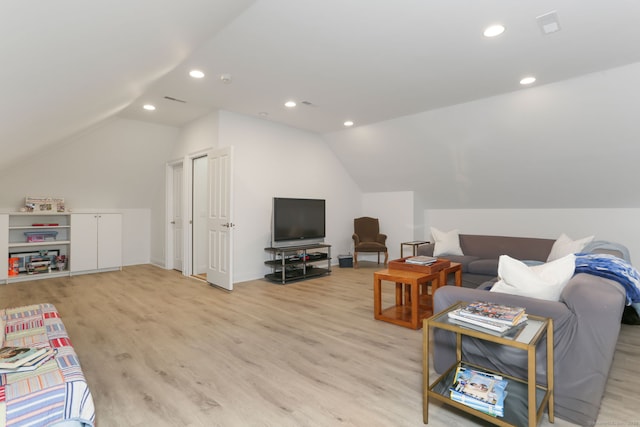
x=297 y=222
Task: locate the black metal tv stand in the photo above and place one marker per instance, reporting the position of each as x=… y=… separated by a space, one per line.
x=298 y=262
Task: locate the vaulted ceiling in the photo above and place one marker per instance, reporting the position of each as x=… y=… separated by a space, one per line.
x=69 y=65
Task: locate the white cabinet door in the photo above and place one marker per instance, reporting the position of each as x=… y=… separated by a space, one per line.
x=109 y=241
x=84 y=242
x=96 y=242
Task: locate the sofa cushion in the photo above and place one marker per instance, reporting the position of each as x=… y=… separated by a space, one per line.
x=488 y=267
x=491 y=247
x=447 y=242
x=545 y=281
x=564 y=245
x=465 y=260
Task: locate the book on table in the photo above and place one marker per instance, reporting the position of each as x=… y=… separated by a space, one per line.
x=421 y=260
x=511 y=332
x=459 y=317
x=480 y=390
x=13 y=357
x=494 y=312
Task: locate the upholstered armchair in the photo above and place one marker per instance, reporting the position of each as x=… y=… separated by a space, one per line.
x=367 y=238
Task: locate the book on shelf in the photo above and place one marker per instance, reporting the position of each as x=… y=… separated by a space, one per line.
x=494 y=312
x=421 y=260
x=494 y=411
x=14 y=357
x=487 y=323
x=481 y=390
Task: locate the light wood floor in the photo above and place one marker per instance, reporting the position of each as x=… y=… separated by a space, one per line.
x=159 y=349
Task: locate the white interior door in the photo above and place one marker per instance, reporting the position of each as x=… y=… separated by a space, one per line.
x=200 y=173
x=220 y=215
x=177 y=219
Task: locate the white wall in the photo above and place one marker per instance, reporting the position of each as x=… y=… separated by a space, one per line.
x=570 y=144
x=118 y=166
x=395 y=212
x=618 y=225
x=272 y=160
x=197 y=136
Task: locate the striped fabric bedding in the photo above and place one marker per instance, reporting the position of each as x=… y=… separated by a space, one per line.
x=56 y=392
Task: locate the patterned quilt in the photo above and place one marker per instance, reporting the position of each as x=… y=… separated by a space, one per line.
x=56 y=392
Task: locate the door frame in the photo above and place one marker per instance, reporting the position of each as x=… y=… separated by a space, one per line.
x=169 y=200
x=192 y=203
x=187 y=211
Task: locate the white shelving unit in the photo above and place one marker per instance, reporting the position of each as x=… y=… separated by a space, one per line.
x=17 y=244
x=91 y=242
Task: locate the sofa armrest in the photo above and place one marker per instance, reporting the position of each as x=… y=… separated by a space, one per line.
x=586 y=294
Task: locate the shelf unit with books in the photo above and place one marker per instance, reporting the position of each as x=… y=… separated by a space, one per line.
x=33 y=234
x=526 y=400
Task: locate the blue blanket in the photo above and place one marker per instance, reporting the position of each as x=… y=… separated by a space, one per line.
x=614 y=268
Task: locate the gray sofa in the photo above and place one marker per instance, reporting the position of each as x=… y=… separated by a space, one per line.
x=586 y=324
x=481 y=253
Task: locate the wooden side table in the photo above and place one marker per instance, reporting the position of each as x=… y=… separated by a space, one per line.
x=456 y=269
x=410 y=310
x=414 y=246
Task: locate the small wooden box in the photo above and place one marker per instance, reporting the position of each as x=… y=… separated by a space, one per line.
x=401 y=264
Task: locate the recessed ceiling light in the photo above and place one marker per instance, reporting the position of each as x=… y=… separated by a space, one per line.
x=196 y=74
x=290 y=104
x=348 y=123
x=149 y=107
x=493 y=30
x=527 y=80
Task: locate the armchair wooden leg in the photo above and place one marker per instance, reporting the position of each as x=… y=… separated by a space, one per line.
x=378 y=257
x=355 y=259
x=386 y=258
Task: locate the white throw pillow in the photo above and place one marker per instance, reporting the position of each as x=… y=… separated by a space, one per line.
x=545 y=281
x=446 y=243
x=565 y=246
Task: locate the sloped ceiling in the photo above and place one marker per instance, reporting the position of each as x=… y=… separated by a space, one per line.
x=71 y=64
x=372 y=60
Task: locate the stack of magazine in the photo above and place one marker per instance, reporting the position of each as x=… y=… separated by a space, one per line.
x=421 y=260
x=479 y=390
x=21 y=359
x=490 y=317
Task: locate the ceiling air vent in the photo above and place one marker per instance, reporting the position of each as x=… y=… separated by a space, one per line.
x=171 y=98
x=308 y=104
x=548 y=22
